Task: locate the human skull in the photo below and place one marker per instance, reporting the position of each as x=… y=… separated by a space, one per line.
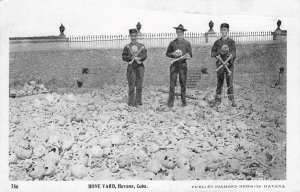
x=168 y=175
x=224 y=49
x=36 y=171
x=134 y=49
x=169 y=162
x=78 y=170
x=148 y=175
x=12 y=158
x=124 y=161
x=40 y=150
x=153 y=147
x=96 y=151
x=183 y=163
x=53 y=155
x=116 y=139
x=50 y=168
x=23 y=153
x=233 y=165
x=67 y=143
x=32 y=83
x=113 y=166
x=154 y=165
x=54 y=141
x=214 y=156
x=178 y=52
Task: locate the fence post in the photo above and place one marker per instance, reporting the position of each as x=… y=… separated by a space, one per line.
x=210 y=36
x=279 y=34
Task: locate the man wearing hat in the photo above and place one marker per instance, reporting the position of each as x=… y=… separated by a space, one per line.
x=179 y=48
x=225 y=52
x=135 y=53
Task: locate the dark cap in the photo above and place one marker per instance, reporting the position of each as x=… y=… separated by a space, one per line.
x=226 y=25
x=131 y=31
x=180 y=27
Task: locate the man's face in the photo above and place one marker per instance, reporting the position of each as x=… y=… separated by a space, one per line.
x=133 y=37
x=224 y=31
x=179 y=33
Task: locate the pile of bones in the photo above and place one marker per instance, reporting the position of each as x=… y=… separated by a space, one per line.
x=96 y=135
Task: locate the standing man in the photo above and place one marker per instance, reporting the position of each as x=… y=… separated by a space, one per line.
x=182 y=50
x=135 y=53
x=225 y=52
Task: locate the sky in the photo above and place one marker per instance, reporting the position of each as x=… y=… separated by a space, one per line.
x=90 y=17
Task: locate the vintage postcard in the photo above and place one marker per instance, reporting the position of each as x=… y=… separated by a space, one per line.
x=137 y=95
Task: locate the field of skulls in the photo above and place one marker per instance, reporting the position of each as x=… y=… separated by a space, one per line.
x=96 y=135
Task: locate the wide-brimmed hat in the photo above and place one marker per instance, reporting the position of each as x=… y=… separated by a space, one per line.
x=180 y=27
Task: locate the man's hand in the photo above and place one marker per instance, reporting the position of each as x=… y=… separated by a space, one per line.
x=138 y=59
x=187 y=56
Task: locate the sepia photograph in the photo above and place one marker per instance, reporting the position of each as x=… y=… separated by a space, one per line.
x=126 y=94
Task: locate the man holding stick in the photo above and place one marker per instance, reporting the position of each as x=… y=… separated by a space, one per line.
x=225 y=52
x=181 y=50
x=135 y=53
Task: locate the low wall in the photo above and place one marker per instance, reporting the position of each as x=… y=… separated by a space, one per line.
x=60 y=67
x=37 y=39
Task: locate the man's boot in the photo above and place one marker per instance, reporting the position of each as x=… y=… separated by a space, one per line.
x=231 y=98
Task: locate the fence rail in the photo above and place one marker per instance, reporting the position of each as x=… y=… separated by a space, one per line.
x=237 y=36
x=161 y=39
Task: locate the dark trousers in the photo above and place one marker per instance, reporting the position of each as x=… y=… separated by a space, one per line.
x=135 y=77
x=175 y=69
x=229 y=81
